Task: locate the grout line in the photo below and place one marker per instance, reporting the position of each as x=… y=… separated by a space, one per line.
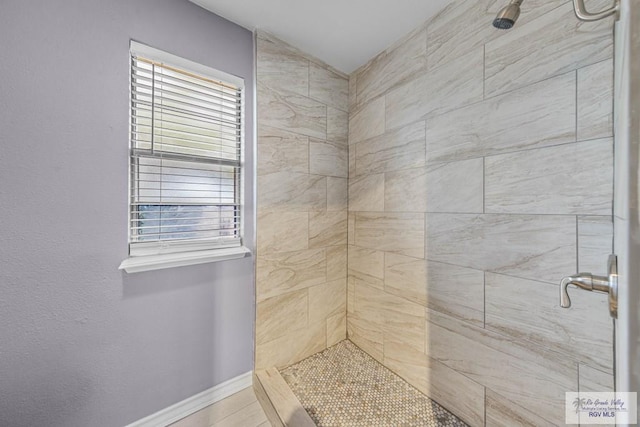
x=576 y=108
x=484 y=299
x=577 y=245
x=484 y=184
x=484 y=71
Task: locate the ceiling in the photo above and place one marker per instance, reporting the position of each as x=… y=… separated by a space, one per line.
x=343 y=33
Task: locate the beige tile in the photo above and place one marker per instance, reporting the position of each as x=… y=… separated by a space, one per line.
x=336 y=328
x=367 y=122
x=283 y=401
x=452 y=86
x=280 y=316
x=328 y=87
x=464 y=26
x=351 y=238
x=353 y=92
x=282 y=151
x=352 y=162
x=455 y=187
x=327 y=300
x=539 y=319
x=555 y=44
x=337 y=125
x=293 y=112
x=502 y=412
x=366 y=335
x=403 y=320
x=284 y=272
x=406 y=277
x=351 y=296
x=440 y=383
x=595 y=101
x=406 y=190
x=533 y=377
x=292 y=191
x=367 y=265
x=281 y=67
x=248 y=416
x=393 y=66
x=594 y=380
x=401 y=148
x=230 y=405
x=337 y=194
x=366 y=326
x=595 y=243
x=401 y=233
x=273 y=226
x=328 y=158
x=540 y=247
x=536 y=116
x=539 y=181
x=366 y=193
x=327 y=229
x=336 y=262
x=296 y=345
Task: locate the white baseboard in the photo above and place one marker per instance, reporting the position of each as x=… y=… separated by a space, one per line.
x=195 y=403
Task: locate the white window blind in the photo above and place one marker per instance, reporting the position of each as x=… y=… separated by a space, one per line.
x=186 y=151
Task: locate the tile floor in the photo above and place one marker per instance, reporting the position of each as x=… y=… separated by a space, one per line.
x=343 y=386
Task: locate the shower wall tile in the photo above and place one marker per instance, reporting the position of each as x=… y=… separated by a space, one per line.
x=366 y=335
x=295 y=191
x=290 y=271
x=552 y=44
x=353 y=91
x=536 y=116
x=504 y=412
x=328 y=158
x=367 y=122
x=366 y=266
x=541 y=181
x=404 y=320
x=401 y=233
x=455 y=187
x=278 y=316
x=446 y=88
x=337 y=126
x=327 y=229
x=393 y=66
x=398 y=149
x=282 y=231
x=530 y=246
x=594 y=380
x=406 y=190
x=282 y=151
x=595 y=243
x=336 y=329
x=539 y=319
x=351 y=226
x=366 y=193
x=532 y=377
x=327 y=300
x=337 y=194
x=292 y=112
x=328 y=87
x=280 y=66
x=595 y=101
x=336 y=262
x=291 y=348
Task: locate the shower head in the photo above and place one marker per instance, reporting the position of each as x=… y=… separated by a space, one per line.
x=508 y=15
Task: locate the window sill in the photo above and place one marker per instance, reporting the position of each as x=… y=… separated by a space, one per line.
x=157 y=262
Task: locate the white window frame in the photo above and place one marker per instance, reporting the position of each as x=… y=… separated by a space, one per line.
x=161 y=255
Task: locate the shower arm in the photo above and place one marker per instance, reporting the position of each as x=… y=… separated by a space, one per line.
x=584 y=15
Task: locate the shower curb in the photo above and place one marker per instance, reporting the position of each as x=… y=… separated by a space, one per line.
x=282 y=407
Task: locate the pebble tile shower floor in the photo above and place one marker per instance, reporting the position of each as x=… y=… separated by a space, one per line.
x=344 y=386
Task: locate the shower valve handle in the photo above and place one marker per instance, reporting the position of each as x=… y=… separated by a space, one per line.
x=589 y=282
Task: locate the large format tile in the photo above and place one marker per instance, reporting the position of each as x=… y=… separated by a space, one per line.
x=398 y=149
x=293 y=191
x=366 y=266
x=278 y=316
x=393 y=66
x=282 y=231
x=367 y=122
x=595 y=101
x=528 y=310
x=282 y=151
x=455 y=187
x=403 y=320
x=533 y=377
x=296 y=345
x=328 y=158
x=366 y=193
x=401 y=233
x=280 y=273
x=552 y=44
x=327 y=299
x=337 y=125
x=535 y=116
x=292 y=112
x=336 y=262
x=337 y=328
x=406 y=190
x=280 y=66
x=595 y=243
x=540 y=247
x=337 y=194
x=328 y=87
x=451 y=86
x=502 y=412
x=327 y=229
x=543 y=181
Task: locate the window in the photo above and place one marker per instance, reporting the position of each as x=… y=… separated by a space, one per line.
x=185 y=157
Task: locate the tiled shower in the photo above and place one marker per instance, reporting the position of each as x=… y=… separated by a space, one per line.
x=426 y=206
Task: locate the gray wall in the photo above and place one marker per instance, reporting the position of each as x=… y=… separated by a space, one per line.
x=81 y=343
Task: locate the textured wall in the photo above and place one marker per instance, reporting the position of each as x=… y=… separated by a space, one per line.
x=302 y=205
x=480 y=174
x=83 y=344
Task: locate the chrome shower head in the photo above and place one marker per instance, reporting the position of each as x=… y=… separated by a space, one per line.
x=508 y=15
